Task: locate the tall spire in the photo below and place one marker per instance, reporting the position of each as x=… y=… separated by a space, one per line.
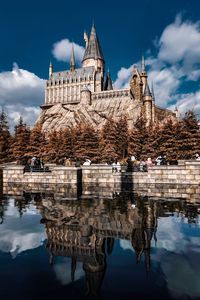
x=93 y=49
x=72 y=59
x=143 y=65
x=108 y=82
x=152 y=92
x=50 y=70
x=147 y=90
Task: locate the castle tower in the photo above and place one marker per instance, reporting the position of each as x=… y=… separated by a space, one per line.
x=136 y=85
x=147 y=100
x=50 y=70
x=108 y=83
x=72 y=60
x=143 y=74
x=153 y=103
x=93 y=56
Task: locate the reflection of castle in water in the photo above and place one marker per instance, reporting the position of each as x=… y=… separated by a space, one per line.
x=86 y=230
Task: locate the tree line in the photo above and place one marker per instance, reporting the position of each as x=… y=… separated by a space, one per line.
x=178 y=139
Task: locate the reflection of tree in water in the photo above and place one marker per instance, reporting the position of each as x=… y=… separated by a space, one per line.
x=1 y=211
x=86 y=230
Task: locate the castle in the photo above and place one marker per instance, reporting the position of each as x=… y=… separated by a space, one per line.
x=87 y=94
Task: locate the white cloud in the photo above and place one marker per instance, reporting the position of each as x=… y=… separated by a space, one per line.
x=177 y=63
x=187 y=101
x=21 y=93
x=180 y=41
x=123 y=77
x=62 y=51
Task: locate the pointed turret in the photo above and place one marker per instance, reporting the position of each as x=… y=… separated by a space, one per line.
x=108 y=82
x=50 y=70
x=153 y=102
x=93 y=55
x=152 y=92
x=143 y=73
x=86 y=38
x=148 y=103
x=147 y=91
x=72 y=60
x=143 y=65
x=73 y=268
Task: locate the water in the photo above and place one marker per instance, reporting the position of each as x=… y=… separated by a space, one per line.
x=127 y=247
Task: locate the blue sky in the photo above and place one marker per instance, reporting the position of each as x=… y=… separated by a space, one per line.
x=33 y=33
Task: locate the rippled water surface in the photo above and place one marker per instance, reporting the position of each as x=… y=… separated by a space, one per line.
x=127 y=247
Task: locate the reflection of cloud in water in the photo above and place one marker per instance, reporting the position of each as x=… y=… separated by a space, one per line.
x=126 y=245
x=63 y=271
x=179 y=262
x=171 y=237
x=20 y=234
x=182 y=275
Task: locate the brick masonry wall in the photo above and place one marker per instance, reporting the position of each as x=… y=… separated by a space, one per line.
x=181 y=181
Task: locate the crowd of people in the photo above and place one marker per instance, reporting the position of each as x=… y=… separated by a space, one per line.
x=35 y=164
x=132 y=164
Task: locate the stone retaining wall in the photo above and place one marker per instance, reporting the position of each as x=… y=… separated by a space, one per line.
x=64 y=179
x=181 y=181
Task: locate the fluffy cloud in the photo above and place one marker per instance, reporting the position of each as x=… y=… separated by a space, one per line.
x=180 y=42
x=177 y=63
x=175 y=256
x=21 y=93
x=62 y=51
x=21 y=234
x=123 y=77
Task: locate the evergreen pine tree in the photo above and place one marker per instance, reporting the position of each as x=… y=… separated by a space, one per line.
x=108 y=137
x=21 y=141
x=166 y=140
x=122 y=137
x=37 y=141
x=68 y=141
x=5 y=139
x=52 y=147
x=86 y=145
x=188 y=136
x=134 y=147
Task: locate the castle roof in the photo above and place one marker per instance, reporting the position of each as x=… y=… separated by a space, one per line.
x=108 y=83
x=147 y=90
x=93 y=49
x=79 y=72
x=72 y=59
